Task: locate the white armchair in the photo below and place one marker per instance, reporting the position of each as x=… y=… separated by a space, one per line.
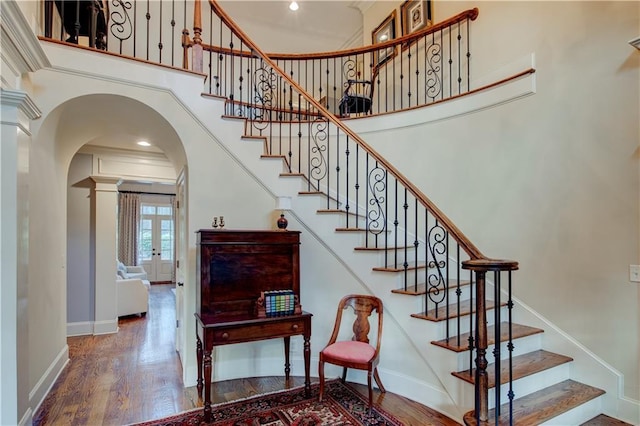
x=132 y=295
x=127 y=272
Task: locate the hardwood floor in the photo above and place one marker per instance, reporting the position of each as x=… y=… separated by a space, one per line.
x=136 y=375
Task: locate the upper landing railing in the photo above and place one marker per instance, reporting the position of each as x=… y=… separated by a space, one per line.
x=293 y=102
x=427 y=66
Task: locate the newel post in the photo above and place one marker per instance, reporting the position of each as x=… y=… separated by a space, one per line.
x=481 y=267
x=196 y=54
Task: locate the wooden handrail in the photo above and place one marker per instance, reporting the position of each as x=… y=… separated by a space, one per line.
x=471 y=14
x=462 y=239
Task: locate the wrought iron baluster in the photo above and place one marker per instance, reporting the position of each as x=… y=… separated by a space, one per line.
x=459 y=59
x=173 y=34
x=148 y=17
x=496 y=346
x=346 y=200
x=510 y=347
x=160 y=34
x=357 y=185
x=416 y=243
x=458 y=294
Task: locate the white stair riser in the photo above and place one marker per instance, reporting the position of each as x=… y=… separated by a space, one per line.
x=532 y=383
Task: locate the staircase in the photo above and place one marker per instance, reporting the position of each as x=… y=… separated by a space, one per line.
x=542 y=384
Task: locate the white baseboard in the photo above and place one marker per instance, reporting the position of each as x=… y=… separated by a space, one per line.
x=84 y=328
x=27 y=419
x=48 y=379
x=105 y=327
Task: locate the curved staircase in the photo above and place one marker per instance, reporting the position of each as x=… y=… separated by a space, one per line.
x=544 y=390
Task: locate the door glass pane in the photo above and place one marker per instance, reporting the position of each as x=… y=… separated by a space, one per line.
x=145 y=243
x=166 y=239
x=148 y=209
x=164 y=211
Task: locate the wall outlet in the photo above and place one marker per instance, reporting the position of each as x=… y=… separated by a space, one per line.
x=634 y=273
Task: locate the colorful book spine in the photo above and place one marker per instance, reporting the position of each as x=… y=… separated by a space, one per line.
x=279 y=302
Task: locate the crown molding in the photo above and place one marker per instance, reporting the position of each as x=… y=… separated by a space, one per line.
x=20 y=46
x=362 y=5
x=20 y=100
x=635 y=42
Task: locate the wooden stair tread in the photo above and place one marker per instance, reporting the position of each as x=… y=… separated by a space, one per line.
x=440 y=314
x=278 y=156
x=382 y=248
x=523 y=366
x=291 y=174
x=421 y=289
x=604 y=420
x=252 y=137
x=518 y=331
x=213 y=96
x=543 y=405
x=233 y=117
x=410 y=266
x=335 y=211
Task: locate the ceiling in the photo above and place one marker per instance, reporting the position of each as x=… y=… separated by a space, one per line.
x=318 y=25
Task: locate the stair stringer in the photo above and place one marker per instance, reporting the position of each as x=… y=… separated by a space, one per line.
x=460 y=398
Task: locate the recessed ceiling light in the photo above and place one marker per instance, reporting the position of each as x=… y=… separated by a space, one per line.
x=293 y=6
x=144 y=143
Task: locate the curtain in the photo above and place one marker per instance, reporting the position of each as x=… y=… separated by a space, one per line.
x=128 y=219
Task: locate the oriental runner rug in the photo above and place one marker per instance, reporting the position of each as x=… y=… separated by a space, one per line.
x=341 y=406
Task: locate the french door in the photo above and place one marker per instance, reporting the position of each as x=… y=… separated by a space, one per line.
x=156 y=241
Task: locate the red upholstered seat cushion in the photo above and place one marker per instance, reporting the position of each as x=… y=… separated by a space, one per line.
x=350 y=351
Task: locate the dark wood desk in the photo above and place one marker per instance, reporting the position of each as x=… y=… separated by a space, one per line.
x=216 y=331
x=234 y=268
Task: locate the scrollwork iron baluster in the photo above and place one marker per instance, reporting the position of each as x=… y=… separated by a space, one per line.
x=317 y=161
x=433 y=82
x=436 y=242
x=377 y=182
x=121 y=26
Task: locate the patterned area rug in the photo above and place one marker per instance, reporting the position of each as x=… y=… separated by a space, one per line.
x=340 y=406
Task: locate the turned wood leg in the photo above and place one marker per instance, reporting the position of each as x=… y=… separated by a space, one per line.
x=307 y=365
x=287 y=365
x=321 y=377
x=207 y=385
x=199 y=358
x=370 y=389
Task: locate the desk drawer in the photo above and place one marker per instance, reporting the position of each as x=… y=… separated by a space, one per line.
x=250 y=333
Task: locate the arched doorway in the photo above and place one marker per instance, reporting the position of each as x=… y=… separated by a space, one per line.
x=93 y=144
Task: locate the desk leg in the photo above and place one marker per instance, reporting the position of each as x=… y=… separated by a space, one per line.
x=207 y=384
x=307 y=363
x=199 y=358
x=287 y=365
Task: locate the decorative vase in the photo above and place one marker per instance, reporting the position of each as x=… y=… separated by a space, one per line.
x=282 y=222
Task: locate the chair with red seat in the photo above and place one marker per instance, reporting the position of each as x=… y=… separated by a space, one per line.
x=356 y=353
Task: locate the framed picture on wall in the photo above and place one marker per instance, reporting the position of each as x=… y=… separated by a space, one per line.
x=384 y=32
x=415 y=15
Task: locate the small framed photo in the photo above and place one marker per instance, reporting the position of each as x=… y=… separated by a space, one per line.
x=415 y=15
x=386 y=31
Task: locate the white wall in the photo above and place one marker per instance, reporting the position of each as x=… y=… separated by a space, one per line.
x=80 y=273
x=552 y=180
x=560 y=170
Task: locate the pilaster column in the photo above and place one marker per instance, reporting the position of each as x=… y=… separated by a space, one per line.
x=104 y=202
x=17 y=111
